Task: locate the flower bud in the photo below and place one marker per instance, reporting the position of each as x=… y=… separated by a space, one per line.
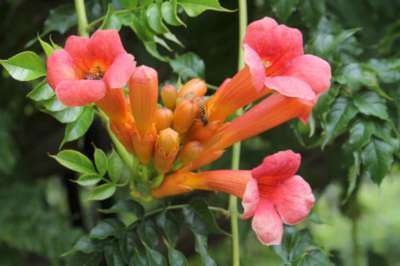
x=143 y=145
x=169 y=95
x=166 y=149
x=190 y=151
x=164 y=118
x=194 y=87
x=143 y=92
x=184 y=115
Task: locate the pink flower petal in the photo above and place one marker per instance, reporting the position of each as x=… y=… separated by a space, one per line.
x=250 y=199
x=290 y=87
x=311 y=69
x=293 y=200
x=256 y=66
x=118 y=73
x=267 y=224
x=275 y=43
x=282 y=165
x=77 y=47
x=60 y=67
x=80 y=92
x=105 y=45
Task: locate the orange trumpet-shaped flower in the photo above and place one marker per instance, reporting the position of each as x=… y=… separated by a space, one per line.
x=272 y=194
x=189 y=152
x=233 y=94
x=143 y=145
x=169 y=94
x=143 y=93
x=271 y=112
x=166 y=149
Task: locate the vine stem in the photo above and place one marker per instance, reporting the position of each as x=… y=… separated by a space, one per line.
x=82 y=18
x=236 y=147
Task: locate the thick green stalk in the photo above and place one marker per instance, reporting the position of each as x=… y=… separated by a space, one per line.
x=81 y=15
x=236 y=147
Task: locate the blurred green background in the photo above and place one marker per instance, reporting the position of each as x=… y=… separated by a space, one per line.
x=42 y=212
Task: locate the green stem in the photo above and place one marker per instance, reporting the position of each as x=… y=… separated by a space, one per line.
x=236 y=147
x=81 y=15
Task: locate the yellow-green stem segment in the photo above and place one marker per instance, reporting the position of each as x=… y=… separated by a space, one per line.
x=236 y=147
x=82 y=18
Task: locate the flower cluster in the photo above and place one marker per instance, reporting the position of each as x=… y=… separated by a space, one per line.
x=188 y=129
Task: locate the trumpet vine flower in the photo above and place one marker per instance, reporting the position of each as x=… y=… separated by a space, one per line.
x=272 y=194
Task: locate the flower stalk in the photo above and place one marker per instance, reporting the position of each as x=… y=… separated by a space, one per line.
x=82 y=18
x=236 y=147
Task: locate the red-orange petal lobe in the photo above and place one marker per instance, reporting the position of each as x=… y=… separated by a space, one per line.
x=105 y=45
x=274 y=43
x=311 y=69
x=60 y=67
x=267 y=224
x=290 y=87
x=293 y=199
x=277 y=167
x=256 y=66
x=77 y=47
x=251 y=198
x=80 y=92
x=117 y=75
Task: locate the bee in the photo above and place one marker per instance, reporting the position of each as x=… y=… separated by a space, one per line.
x=202 y=113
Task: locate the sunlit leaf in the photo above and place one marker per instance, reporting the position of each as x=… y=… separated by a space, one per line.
x=195 y=7
x=102 y=192
x=88 y=179
x=80 y=126
x=188 y=65
x=75 y=161
x=101 y=161
x=25 y=66
x=41 y=92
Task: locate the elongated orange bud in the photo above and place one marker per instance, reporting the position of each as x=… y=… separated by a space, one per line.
x=189 y=152
x=169 y=95
x=166 y=149
x=143 y=145
x=164 y=118
x=195 y=87
x=203 y=131
x=143 y=92
x=184 y=115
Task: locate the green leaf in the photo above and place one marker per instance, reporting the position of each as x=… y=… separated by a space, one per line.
x=111 y=21
x=47 y=48
x=113 y=255
x=188 y=65
x=106 y=228
x=41 y=92
x=101 y=161
x=75 y=161
x=200 y=219
x=341 y=113
x=54 y=105
x=169 y=226
x=80 y=126
x=170 y=14
x=138 y=259
x=369 y=103
x=284 y=8
x=360 y=134
x=195 y=7
x=60 y=19
x=298 y=248
x=115 y=166
x=354 y=172
x=155 y=258
x=85 y=245
x=128 y=3
x=102 y=192
x=88 y=179
x=200 y=246
x=126 y=206
x=25 y=66
x=377 y=158
x=147 y=233
x=154 y=18
x=176 y=258
x=67 y=115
